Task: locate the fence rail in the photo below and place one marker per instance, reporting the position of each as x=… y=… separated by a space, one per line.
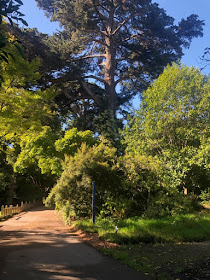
x=10 y=210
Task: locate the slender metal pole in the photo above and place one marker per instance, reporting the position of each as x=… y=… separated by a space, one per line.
x=94 y=203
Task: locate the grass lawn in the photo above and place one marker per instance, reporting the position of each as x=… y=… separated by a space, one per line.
x=171 y=248
x=183 y=228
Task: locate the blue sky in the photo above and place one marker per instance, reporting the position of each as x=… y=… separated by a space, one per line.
x=36 y=17
x=179 y=9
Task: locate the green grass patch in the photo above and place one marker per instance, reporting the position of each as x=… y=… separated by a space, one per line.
x=182 y=228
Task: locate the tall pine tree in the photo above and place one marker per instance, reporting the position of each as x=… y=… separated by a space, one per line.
x=121 y=44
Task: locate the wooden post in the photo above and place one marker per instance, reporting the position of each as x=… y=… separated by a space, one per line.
x=6 y=210
x=185 y=191
x=10 y=209
x=94 y=203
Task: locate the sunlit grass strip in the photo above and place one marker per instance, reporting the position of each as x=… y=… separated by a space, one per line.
x=183 y=228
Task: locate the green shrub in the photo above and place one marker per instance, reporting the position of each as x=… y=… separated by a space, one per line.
x=171 y=203
x=73 y=191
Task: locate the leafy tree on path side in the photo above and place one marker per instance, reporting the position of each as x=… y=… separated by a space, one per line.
x=73 y=192
x=23 y=109
x=71 y=98
x=172 y=128
x=22 y=112
x=47 y=149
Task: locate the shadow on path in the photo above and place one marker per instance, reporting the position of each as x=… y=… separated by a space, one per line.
x=40 y=252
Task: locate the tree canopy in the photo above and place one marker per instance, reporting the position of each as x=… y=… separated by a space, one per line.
x=47 y=149
x=23 y=109
x=9 y=9
x=173 y=127
x=121 y=48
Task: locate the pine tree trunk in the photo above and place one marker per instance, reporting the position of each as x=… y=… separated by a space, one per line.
x=109 y=76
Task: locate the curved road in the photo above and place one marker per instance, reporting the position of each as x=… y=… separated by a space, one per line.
x=36 y=245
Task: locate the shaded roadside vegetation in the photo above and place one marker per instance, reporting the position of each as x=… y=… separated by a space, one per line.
x=179 y=228
x=167 y=261
x=163 y=168
x=165 y=249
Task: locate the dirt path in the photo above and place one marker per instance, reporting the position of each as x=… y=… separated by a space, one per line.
x=38 y=246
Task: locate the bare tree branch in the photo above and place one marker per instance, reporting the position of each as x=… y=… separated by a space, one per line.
x=96 y=78
x=123 y=78
x=80 y=96
x=133 y=36
x=89 y=91
x=121 y=24
x=92 y=56
x=100 y=42
x=101 y=16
